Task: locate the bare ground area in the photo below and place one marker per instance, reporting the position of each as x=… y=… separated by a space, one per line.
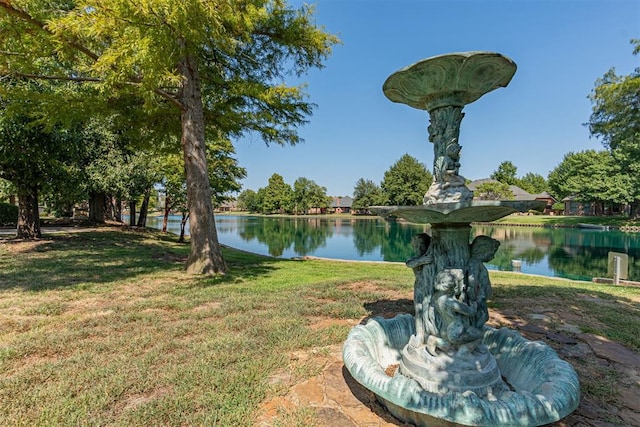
x=609 y=372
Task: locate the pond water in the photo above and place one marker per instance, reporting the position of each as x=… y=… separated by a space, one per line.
x=579 y=254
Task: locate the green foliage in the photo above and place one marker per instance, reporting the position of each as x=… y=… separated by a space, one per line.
x=533 y=183
x=506 y=173
x=307 y=194
x=201 y=69
x=6 y=190
x=36 y=158
x=615 y=118
x=224 y=175
x=129 y=51
x=406 y=182
x=224 y=171
x=493 y=191
x=247 y=200
x=366 y=193
x=8 y=214
x=591 y=176
x=278 y=196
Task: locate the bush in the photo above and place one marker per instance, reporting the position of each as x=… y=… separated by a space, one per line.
x=8 y=214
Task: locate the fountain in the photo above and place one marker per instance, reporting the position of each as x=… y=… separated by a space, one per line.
x=444 y=366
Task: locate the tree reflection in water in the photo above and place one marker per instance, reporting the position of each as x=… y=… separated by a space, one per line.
x=564 y=252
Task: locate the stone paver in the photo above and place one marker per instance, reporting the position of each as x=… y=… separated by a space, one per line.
x=339 y=401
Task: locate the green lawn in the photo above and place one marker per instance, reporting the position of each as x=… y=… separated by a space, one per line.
x=570 y=221
x=104 y=328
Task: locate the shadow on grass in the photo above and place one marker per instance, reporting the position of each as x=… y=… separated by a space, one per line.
x=598 y=310
x=102 y=257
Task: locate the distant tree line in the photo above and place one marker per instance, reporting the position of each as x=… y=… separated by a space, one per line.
x=278 y=197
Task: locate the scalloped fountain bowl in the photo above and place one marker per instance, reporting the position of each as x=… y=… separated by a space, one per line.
x=543 y=387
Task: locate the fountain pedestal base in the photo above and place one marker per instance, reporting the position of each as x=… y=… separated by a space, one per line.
x=460 y=371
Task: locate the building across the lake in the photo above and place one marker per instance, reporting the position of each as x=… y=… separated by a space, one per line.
x=519 y=194
x=341 y=204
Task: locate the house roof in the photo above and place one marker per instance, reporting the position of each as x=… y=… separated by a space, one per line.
x=545 y=195
x=475 y=184
x=342 y=202
x=518 y=193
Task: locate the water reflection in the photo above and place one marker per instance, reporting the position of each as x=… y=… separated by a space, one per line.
x=571 y=253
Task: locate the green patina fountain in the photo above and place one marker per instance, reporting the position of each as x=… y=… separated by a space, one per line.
x=452 y=368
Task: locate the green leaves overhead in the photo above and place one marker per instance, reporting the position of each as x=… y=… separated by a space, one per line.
x=243 y=50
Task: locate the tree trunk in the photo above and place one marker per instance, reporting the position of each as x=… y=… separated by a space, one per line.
x=144 y=209
x=118 y=209
x=28 y=214
x=205 y=256
x=132 y=213
x=167 y=209
x=109 y=208
x=97 y=204
x=183 y=224
x=635 y=209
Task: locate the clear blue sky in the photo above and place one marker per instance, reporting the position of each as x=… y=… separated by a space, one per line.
x=560 y=46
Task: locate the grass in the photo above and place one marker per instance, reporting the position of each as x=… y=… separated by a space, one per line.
x=567 y=221
x=104 y=328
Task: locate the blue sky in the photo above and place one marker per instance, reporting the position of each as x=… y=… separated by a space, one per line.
x=561 y=48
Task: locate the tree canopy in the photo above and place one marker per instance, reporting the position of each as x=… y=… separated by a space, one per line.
x=406 y=182
x=307 y=194
x=615 y=118
x=367 y=193
x=591 y=176
x=203 y=69
x=494 y=190
x=506 y=173
x=278 y=196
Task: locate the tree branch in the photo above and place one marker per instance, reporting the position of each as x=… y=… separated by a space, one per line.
x=21 y=14
x=25 y=16
x=45 y=77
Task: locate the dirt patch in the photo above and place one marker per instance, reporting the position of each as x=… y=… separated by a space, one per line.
x=16 y=246
x=324 y=322
x=133 y=401
x=212 y=305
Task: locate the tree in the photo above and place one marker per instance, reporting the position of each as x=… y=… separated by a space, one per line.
x=506 y=173
x=494 y=190
x=307 y=194
x=533 y=183
x=366 y=193
x=406 y=182
x=35 y=159
x=225 y=172
x=615 y=118
x=224 y=176
x=591 y=176
x=278 y=196
x=247 y=200
x=214 y=66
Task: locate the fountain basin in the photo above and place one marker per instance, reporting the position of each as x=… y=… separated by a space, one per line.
x=544 y=388
x=454 y=79
x=458 y=212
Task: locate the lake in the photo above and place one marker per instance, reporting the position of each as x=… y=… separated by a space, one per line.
x=572 y=253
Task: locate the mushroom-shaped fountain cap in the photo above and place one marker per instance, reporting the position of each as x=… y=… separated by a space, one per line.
x=454 y=79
